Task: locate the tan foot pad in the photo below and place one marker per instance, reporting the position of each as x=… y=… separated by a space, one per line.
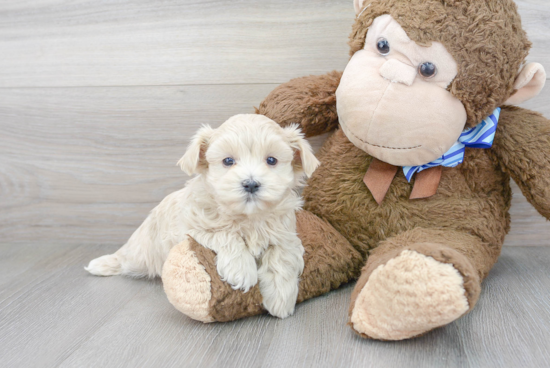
x=187 y=284
x=409 y=295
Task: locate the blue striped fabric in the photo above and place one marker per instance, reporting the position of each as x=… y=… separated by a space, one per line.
x=480 y=136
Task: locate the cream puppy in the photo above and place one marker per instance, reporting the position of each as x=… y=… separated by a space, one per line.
x=241 y=205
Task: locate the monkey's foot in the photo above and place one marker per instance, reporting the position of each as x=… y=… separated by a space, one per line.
x=186 y=283
x=194 y=287
x=407 y=296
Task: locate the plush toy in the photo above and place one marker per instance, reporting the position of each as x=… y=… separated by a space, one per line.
x=413 y=191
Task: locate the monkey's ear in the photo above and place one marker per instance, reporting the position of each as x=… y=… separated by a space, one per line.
x=529 y=83
x=304 y=159
x=194 y=159
x=358 y=5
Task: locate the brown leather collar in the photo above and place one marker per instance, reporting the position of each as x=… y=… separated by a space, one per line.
x=380 y=175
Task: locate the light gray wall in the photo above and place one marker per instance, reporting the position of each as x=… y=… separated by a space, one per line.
x=99 y=99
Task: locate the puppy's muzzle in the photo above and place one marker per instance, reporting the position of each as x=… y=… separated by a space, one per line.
x=251 y=186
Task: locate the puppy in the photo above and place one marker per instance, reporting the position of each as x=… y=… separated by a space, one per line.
x=241 y=205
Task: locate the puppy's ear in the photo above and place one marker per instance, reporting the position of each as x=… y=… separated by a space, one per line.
x=304 y=159
x=194 y=159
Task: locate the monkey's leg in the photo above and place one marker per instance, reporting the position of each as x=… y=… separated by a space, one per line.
x=417 y=281
x=194 y=287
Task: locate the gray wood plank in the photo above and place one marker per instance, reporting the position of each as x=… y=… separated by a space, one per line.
x=49 y=310
x=88 y=164
x=71 y=319
x=99 y=156
x=173 y=42
x=88 y=43
x=166 y=338
x=22 y=264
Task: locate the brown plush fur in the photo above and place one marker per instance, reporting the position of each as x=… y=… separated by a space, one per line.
x=473 y=197
x=484 y=36
x=330 y=261
x=521 y=149
x=226 y=304
x=311 y=102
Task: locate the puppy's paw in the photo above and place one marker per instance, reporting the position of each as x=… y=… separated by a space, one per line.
x=108 y=265
x=280 y=300
x=239 y=271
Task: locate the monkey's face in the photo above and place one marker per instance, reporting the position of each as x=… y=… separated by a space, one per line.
x=393 y=102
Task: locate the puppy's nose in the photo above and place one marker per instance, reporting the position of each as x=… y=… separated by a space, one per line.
x=251 y=186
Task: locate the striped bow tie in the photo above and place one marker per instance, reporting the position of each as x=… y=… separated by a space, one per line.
x=480 y=136
x=380 y=174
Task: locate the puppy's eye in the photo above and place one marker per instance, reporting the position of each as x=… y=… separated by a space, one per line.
x=383 y=46
x=427 y=70
x=228 y=161
x=271 y=161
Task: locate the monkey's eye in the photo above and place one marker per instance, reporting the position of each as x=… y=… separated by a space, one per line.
x=383 y=46
x=271 y=161
x=427 y=70
x=228 y=161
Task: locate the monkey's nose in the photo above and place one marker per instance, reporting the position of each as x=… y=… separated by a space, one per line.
x=251 y=186
x=397 y=72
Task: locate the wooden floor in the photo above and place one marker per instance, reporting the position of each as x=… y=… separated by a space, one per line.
x=98 y=100
x=54 y=314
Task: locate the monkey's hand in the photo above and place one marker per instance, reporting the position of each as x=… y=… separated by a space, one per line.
x=522 y=149
x=308 y=101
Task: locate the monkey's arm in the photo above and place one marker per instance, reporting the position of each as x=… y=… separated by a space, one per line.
x=522 y=148
x=308 y=101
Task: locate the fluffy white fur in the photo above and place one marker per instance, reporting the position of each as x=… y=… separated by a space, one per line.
x=253 y=234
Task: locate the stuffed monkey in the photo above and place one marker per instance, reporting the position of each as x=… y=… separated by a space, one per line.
x=413 y=192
